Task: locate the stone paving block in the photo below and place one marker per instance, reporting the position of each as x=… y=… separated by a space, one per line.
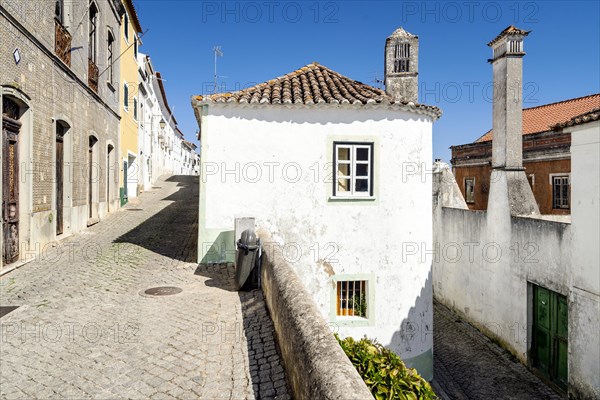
x=116 y=343
x=468 y=365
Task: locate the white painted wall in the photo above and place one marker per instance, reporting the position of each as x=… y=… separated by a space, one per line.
x=493 y=292
x=251 y=158
x=584 y=317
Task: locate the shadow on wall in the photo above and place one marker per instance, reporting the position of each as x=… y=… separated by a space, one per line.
x=162 y=233
x=414 y=341
x=267 y=374
x=218 y=251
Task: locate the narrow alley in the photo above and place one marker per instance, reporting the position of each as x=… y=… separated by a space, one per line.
x=87 y=326
x=468 y=365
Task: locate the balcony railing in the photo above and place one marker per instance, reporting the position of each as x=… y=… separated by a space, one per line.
x=93 y=75
x=62 y=42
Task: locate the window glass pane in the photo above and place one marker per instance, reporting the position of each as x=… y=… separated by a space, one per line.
x=343 y=185
x=343 y=153
x=343 y=169
x=362 y=185
x=362 y=169
x=362 y=154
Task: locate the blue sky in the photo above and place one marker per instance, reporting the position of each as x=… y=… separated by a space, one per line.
x=265 y=39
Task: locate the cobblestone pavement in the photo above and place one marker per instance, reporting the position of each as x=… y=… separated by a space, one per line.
x=85 y=329
x=467 y=365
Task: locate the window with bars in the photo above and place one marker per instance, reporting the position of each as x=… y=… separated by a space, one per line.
x=352 y=298
x=401 y=57
x=353 y=169
x=560 y=191
x=470 y=190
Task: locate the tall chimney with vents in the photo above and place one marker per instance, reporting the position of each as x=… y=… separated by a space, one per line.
x=508 y=181
x=402 y=66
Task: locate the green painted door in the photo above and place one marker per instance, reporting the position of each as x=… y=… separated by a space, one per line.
x=550 y=333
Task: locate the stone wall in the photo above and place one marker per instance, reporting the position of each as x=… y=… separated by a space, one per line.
x=488 y=279
x=316 y=366
x=48 y=90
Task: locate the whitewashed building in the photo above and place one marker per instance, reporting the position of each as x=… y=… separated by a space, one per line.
x=334 y=169
x=529 y=281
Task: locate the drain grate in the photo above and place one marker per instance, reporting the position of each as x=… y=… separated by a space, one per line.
x=163 y=291
x=156 y=187
x=134 y=209
x=7 y=309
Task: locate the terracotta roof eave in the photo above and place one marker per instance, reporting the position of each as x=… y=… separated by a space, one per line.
x=586 y=117
x=432 y=111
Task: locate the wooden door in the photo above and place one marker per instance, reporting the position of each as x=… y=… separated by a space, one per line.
x=60 y=131
x=550 y=335
x=91 y=175
x=10 y=180
x=108 y=178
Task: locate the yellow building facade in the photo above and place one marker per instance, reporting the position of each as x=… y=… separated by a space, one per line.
x=129 y=103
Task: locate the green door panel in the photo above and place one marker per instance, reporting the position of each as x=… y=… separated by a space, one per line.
x=550 y=335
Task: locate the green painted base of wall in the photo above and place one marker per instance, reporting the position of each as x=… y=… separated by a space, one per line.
x=216 y=246
x=423 y=363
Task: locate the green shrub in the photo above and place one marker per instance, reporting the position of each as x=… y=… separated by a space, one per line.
x=384 y=372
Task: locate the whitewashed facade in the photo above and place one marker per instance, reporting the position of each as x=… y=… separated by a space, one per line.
x=281 y=151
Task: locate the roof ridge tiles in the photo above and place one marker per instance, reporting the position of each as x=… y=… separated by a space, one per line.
x=313 y=84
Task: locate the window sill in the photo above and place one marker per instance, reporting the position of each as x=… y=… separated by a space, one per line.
x=352 y=198
x=352 y=321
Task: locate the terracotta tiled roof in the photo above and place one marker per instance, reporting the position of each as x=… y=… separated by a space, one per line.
x=511 y=30
x=593 y=115
x=544 y=118
x=311 y=84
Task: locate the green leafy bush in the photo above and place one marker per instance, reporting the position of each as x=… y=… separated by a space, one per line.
x=384 y=372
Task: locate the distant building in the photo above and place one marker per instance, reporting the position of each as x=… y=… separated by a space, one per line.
x=546 y=157
x=130 y=99
x=331 y=166
x=529 y=281
x=59 y=94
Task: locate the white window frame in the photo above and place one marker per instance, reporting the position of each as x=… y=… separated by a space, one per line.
x=472 y=201
x=566 y=176
x=125 y=97
x=353 y=147
x=126 y=27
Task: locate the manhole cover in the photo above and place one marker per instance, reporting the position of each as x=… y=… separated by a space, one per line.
x=163 y=291
x=134 y=209
x=6 y=309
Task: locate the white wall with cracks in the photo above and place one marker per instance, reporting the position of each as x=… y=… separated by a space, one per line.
x=274 y=163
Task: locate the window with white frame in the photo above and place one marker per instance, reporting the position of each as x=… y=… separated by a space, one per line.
x=110 y=57
x=352 y=298
x=135 y=108
x=470 y=190
x=353 y=169
x=560 y=191
x=126 y=96
x=126 y=27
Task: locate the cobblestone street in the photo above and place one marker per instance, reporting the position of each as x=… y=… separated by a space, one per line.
x=84 y=328
x=467 y=365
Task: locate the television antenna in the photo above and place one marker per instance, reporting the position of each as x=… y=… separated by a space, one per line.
x=377 y=81
x=218 y=53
